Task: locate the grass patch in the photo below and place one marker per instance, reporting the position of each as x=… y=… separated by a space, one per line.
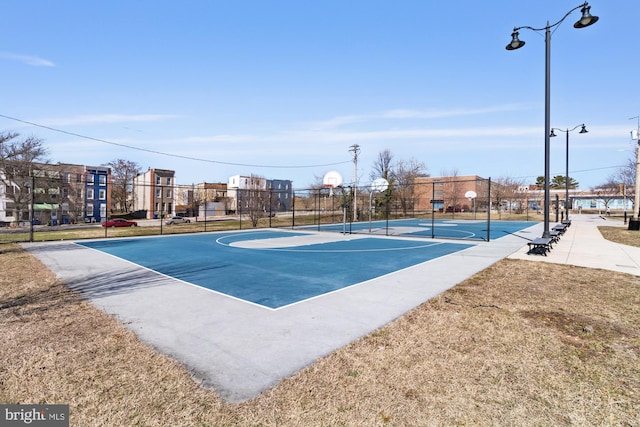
x=621 y=235
x=520 y=343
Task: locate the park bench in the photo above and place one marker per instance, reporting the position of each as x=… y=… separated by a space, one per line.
x=555 y=236
x=540 y=246
x=560 y=228
x=566 y=222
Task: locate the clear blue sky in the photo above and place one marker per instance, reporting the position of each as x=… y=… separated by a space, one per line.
x=276 y=88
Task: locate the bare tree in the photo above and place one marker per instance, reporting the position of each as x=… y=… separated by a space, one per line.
x=626 y=175
x=403 y=178
x=122 y=174
x=254 y=199
x=18 y=159
x=451 y=190
x=508 y=190
x=382 y=165
x=607 y=192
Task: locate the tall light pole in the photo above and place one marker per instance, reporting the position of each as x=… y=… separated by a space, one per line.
x=566 y=176
x=636 y=200
x=356 y=150
x=586 y=20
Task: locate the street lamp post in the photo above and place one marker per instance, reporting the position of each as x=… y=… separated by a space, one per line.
x=586 y=20
x=566 y=176
x=636 y=199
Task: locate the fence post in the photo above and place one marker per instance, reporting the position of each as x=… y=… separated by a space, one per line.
x=489 y=210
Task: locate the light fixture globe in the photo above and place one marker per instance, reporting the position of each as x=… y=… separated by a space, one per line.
x=587 y=19
x=515 y=42
x=584 y=129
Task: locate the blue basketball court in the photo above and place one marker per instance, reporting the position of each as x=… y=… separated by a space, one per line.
x=273 y=275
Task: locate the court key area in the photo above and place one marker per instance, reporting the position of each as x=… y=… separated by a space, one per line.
x=242 y=310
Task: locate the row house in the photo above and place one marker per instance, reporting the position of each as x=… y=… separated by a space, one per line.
x=62 y=193
x=154 y=193
x=277 y=193
x=281 y=194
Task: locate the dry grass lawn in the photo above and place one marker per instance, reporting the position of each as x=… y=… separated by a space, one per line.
x=521 y=343
x=620 y=235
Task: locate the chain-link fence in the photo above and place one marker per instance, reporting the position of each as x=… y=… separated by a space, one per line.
x=60 y=209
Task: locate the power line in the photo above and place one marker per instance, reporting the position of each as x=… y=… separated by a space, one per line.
x=179 y=156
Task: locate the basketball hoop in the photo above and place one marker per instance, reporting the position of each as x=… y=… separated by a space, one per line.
x=332 y=179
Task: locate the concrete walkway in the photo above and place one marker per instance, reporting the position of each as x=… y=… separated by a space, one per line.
x=583 y=245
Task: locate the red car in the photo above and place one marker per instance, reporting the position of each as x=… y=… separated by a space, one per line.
x=119 y=222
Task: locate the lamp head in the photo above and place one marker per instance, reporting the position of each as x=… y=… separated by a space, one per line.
x=583 y=130
x=552 y=134
x=515 y=42
x=587 y=19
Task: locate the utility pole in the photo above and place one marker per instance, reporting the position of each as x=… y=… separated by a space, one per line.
x=355 y=148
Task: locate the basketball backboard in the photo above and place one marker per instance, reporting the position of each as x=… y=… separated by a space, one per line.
x=332 y=179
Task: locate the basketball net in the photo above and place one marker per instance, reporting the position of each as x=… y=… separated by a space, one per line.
x=330 y=189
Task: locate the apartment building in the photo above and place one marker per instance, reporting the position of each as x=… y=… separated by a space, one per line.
x=277 y=192
x=62 y=193
x=154 y=192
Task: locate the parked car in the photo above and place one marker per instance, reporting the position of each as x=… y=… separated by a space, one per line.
x=177 y=220
x=119 y=222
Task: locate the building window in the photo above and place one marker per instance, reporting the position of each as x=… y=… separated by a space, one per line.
x=66 y=177
x=89 y=209
x=169 y=193
x=168 y=180
x=78 y=177
x=158 y=193
x=89 y=178
x=102 y=179
x=65 y=193
x=102 y=194
x=89 y=193
x=79 y=193
x=158 y=180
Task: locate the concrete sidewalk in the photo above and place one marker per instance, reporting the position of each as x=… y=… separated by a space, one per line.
x=583 y=245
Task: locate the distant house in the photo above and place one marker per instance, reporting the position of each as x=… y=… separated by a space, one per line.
x=278 y=193
x=96 y=193
x=154 y=192
x=6 y=202
x=62 y=193
x=238 y=189
x=281 y=194
x=203 y=199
